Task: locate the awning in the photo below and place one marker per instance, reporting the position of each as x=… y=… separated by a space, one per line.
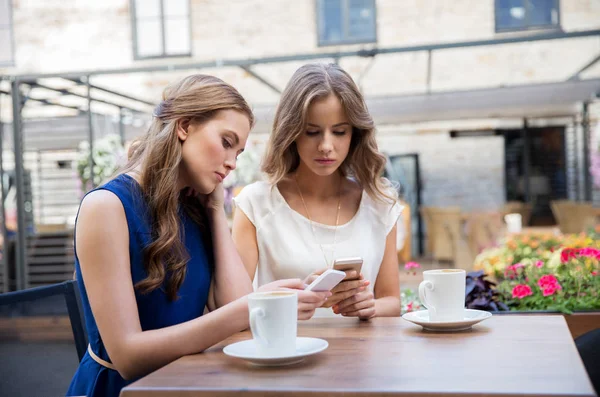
x=524 y=101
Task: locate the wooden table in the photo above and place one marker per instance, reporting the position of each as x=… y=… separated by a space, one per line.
x=502 y=356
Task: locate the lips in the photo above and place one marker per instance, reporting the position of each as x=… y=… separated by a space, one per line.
x=220 y=176
x=325 y=161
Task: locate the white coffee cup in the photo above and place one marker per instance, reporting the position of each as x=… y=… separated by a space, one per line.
x=442 y=292
x=513 y=223
x=274 y=322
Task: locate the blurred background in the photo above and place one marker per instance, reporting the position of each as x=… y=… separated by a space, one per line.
x=483 y=107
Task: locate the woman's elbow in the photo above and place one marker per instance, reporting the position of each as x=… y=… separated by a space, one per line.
x=129 y=365
x=127 y=369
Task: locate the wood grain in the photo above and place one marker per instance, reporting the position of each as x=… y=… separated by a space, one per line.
x=503 y=356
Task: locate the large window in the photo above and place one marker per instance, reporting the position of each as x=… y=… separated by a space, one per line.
x=6 y=34
x=346 y=22
x=514 y=15
x=161 y=28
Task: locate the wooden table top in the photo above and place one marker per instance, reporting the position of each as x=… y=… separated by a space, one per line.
x=502 y=356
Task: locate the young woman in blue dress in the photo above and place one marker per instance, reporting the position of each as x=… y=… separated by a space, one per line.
x=158 y=272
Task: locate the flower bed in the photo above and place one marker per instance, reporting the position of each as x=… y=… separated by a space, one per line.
x=526 y=273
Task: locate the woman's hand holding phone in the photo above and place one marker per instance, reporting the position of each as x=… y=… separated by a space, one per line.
x=361 y=305
x=350 y=286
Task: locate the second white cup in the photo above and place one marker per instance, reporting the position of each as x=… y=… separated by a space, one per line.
x=274 y=322
x=442 y=292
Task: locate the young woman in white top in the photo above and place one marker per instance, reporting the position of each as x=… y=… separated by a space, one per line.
x=325 y=198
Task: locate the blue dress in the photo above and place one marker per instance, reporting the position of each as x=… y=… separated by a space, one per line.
x=155 y=310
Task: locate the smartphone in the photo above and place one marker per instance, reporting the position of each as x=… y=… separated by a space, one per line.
x=345 y=264
x=326 y=281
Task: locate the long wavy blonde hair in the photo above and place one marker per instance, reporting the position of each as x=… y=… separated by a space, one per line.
x=310 y=82
x=194 y=99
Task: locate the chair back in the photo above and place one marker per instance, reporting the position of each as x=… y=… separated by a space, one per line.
x=572 y=216
x=69 y=291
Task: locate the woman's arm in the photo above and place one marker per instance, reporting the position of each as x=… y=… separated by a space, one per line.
x=230 y=281
x=387 y=285
x=102 y=240
x=244 y=237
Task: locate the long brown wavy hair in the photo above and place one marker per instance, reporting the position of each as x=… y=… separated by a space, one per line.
x=194 y=99
x=310 y=82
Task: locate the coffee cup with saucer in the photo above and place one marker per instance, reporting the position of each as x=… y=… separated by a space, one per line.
x=274 y=326
x=442 y=292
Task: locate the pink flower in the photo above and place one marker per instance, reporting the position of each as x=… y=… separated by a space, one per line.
x=539 y=264
x=548 y=279
x=511 y=271
x=411 y=265
x=551 y=289
x=521 y=291
x=549 y=284
x=594 y=273
x=590 y=252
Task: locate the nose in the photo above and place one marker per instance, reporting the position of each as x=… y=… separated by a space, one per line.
x=231 y=163
x=326 y=144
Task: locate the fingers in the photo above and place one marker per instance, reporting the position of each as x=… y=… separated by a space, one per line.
x=349 y=285
x=365 y=304
x=291 y=283
x=306 y=315
x=313 y=276
x=353 y=300
x=352 y=275
x=313 y=297
x=309 y=301
x=307 y=306
x=363 y=314
x=340 y=296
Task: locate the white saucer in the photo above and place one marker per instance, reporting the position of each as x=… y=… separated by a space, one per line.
x=472 y=317
x=246 y=350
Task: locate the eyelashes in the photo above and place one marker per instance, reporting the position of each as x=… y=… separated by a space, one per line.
x=315 y=133
x=226 y=143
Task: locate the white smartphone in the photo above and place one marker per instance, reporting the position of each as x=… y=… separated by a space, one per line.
x=326 y=281
x=345 y=264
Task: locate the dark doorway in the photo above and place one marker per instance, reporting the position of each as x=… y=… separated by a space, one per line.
x=404 y=170
x=535 y=169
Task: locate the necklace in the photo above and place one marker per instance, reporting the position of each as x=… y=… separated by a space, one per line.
x=312 y=226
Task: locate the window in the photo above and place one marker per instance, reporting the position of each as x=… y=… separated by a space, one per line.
x=514 y=15
x=161 y=28
x=346 y=22
x=6 y=34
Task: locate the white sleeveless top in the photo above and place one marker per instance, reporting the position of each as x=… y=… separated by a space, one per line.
x=287 y=247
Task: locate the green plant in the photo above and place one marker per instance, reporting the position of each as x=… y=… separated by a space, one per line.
x=108 y=155
x=569 y=285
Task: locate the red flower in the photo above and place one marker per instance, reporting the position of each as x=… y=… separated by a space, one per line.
x=521 y=291
x=567 y=254
x=594 y=273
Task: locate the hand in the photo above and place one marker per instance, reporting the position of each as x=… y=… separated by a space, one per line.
x=212 y=201
x=308 y=301
x=350 y=286
x=361 y=305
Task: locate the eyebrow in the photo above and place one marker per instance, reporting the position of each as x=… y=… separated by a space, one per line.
x=335 y=125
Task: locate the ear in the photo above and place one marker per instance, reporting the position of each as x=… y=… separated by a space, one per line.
x=182 y=128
